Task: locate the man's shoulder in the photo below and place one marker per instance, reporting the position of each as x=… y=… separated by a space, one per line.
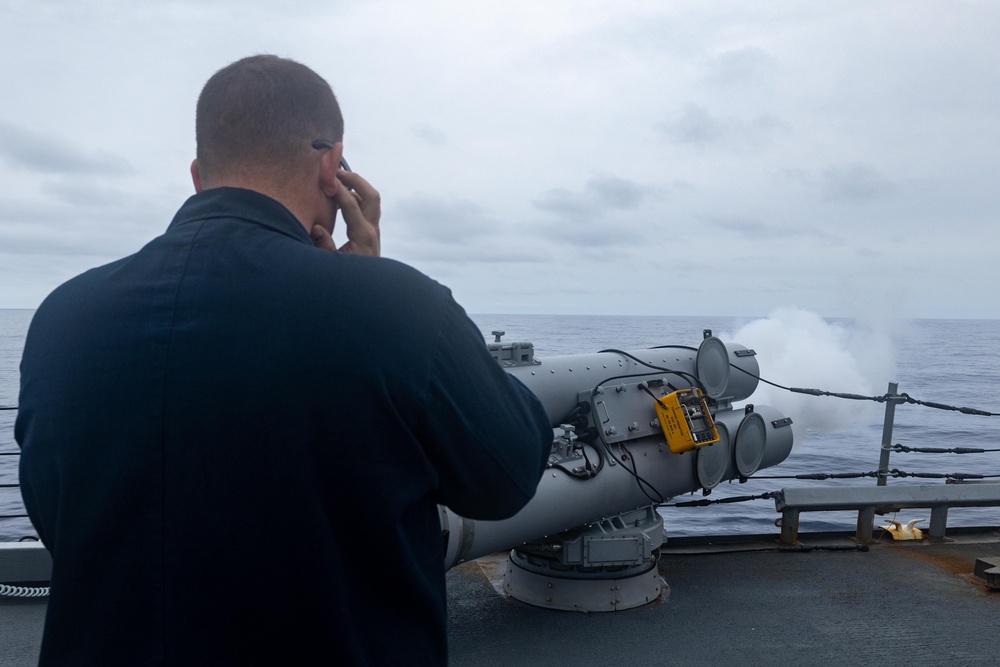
x=73 y=289
x=374 y=274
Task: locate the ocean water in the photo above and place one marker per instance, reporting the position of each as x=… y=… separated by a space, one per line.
x=954 y=362
x=13 y=327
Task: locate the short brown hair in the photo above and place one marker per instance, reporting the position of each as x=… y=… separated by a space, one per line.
x=263 y=113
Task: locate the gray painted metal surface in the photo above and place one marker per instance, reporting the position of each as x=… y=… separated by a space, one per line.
x=887 y=427
x=562 y=502
x=729 y=603
x=22 y=562
x=988 y=569
x=614 y=393
x=868 y=500
x=733 y=604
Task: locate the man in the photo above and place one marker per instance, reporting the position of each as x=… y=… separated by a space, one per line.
x=234 y=441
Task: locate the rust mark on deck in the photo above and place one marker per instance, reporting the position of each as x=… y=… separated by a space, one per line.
x=957 y=564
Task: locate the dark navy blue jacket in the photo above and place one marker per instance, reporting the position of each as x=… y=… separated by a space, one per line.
x=233 y=444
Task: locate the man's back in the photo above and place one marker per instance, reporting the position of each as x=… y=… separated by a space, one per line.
x=234 y=444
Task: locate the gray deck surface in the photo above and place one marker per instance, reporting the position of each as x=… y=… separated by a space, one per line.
x=728 y=604
x=902 y=603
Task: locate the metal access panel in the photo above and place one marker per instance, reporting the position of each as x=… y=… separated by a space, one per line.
x=623 y=411
x=604 y=551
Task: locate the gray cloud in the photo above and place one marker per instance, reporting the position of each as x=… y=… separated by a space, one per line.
x=870 y=253
x=85 y=194
x=565 y=203
x=617 y=193
x=760 y=130
x=695 y=125
x=501 y=253
x=598 y=195
x=33 y=241
x=740 y=65
x=853 y=182
x=457 y=232
x=605 y=213
x=451 y=221
x=745 y=227
x=754 y=229
x=593 y=217
x=83 y=219
x=430 y=135
x=858 y=182
x=19 y=211
x=24 y=149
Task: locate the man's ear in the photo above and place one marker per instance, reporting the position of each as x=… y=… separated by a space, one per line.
x=329 y=163
x=196 y=175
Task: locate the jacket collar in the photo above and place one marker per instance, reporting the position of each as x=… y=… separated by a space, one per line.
x=249 y=205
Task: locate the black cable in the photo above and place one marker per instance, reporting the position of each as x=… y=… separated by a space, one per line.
x=589 y=470
x=904 y=397
x=942 y=406
x=638 y=478
x=812 y=392
x=590 y=466
x=798 y=390
x=959 y=476
x=821 y=475
x=684 y=374
x=640 y=481
x=577 y=418
x=940 y=450
x=629 y=375
x=704 y=502
x=654 y=396
x=635 y=473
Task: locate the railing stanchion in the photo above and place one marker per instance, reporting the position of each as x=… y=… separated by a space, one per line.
x=890 y=416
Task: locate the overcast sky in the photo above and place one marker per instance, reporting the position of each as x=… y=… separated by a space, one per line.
x=661 y=158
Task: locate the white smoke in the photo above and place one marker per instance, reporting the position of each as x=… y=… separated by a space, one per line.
x=797 y=348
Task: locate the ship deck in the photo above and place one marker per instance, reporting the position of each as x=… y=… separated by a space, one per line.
x=747 y=603
x=730 y=602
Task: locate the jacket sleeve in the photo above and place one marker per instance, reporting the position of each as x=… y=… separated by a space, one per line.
x=485 y=432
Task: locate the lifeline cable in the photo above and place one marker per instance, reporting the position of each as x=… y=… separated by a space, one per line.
x=958 y=476
x=904 y=397
x=819 y=476
x=940 y=450
x=703 y=502
x=942 y=406
x=895 y=472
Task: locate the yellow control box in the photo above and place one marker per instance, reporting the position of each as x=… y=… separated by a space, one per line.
x=685 y=420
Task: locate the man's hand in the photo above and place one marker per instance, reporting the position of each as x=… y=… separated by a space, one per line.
x=360 y=205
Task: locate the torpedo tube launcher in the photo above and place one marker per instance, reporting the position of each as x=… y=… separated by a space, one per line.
x=630 y=430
